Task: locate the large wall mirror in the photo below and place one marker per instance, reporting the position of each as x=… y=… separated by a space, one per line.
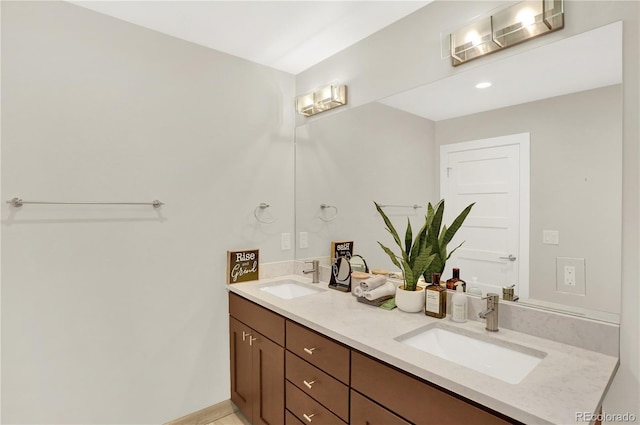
x=565 y=98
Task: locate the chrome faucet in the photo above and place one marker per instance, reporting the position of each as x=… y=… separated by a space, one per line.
x=315 y=269
x=491 y=313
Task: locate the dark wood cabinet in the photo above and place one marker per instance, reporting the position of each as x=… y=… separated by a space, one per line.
x=307 y=409
x=257 y=371
x=366 y=412
x=327 y=382
x=426 y=404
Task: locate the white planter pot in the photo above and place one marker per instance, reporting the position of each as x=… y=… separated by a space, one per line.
x=410 y=301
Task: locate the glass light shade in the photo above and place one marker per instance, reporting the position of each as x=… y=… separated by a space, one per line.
x=506 y=27
x=322 y=99
x=304 y=104
x=526 y=20
x=472 y=41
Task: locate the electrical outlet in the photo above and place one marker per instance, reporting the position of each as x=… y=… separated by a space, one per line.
x=285 y=241
x=570 y=275
x=304 y=240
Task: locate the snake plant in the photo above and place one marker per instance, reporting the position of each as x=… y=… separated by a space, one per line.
x=439 y=237
x=415 y=255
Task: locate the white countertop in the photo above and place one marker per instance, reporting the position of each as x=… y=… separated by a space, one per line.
x=568 y=380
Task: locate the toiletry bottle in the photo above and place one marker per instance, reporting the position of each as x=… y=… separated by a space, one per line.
x=436 y=298
x=474 y=289
x=459 y=307
x=451 y=283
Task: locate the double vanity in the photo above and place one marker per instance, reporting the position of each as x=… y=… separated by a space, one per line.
x=302 y=353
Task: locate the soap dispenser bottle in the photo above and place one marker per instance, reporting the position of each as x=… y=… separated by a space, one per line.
x=459 y=307
x=436 y=298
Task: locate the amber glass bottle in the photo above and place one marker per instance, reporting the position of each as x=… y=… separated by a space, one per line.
x=451 y=283
x=436 y=298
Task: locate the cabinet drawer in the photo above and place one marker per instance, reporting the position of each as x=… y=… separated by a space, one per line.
x=307 y=409
x=331 y=393
x=290 y=419
x=366 y=412
x=425 y=404
x=259 y=318
x=319 y=350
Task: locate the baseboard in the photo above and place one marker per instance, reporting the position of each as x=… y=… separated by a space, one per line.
x=206 y=415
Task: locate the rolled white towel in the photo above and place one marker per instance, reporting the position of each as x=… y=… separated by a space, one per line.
x=382 y=291
x=358 y=291
x=373 y=282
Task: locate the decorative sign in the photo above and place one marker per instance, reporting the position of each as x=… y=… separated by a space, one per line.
x=341 y=275
x=242 y=266
x=341 y=249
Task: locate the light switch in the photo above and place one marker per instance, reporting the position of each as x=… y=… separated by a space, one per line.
x=285 y=241
x=304 y=240
x=550 y=237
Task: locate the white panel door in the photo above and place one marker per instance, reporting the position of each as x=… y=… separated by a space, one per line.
x=493 y=173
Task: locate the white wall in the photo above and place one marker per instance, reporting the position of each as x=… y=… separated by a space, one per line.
x=119 y=314
x=407 y=54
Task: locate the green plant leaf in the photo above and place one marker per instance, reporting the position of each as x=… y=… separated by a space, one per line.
x=408 y=239
x=410 y=280
x=422 y=262
x=389 y=225
x=391 y=255
x=454 y=250
x=457 y=223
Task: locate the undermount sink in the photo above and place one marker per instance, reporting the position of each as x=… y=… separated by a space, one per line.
x=289 y=289
x=505 y=361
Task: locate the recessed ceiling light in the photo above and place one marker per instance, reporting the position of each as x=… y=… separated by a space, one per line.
x=483 y=85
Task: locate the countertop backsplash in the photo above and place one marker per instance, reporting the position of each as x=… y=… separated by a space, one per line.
x=601 y=337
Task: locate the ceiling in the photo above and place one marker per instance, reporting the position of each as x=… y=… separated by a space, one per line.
x=287 y=35
x=585 y=61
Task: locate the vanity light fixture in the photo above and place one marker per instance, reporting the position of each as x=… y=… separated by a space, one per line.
x=322 y=99
x=504 y=28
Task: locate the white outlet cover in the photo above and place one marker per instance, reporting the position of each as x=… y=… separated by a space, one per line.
x=571 y=275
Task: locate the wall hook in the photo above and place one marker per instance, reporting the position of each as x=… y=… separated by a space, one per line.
x=325 y=207
x=262 y=206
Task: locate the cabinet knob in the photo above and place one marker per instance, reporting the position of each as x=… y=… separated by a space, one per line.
x=309 y=384
x=309 y=350
x=245 y=335
x=251 y=339
x=308 y=417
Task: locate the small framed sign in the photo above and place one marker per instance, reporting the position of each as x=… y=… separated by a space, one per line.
x=341 y=249
x=242 y=266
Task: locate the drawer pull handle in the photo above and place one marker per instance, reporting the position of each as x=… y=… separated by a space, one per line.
x=309 y=350
x=251 y=339
x=245 y=335
x=308 y=417
x=309 y=384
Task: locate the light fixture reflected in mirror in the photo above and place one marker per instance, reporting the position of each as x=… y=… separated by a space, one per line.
x=504 y=28
x=322 y=99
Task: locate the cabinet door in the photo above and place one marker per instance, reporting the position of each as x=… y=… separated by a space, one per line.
x=268 y=381
x=241 y=370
